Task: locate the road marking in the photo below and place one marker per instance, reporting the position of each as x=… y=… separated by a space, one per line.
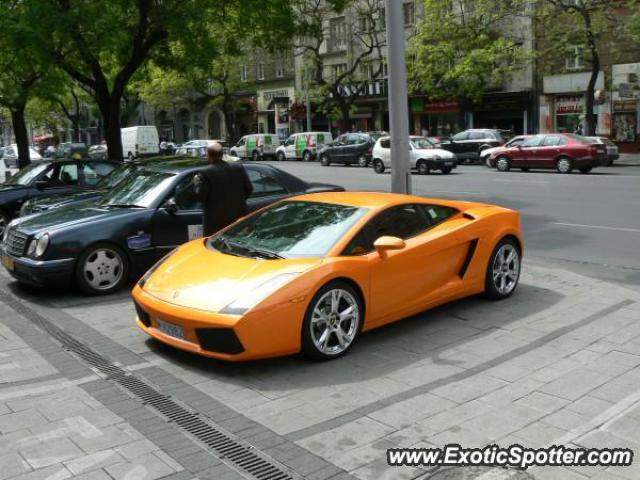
x=597 y=227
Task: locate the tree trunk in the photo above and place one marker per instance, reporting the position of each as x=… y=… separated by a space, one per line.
x=590 y=120
x=110 y=110
x=22 y=137
x=345 y=113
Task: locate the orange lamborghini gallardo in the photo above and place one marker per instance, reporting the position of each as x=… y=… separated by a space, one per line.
x=310 y=273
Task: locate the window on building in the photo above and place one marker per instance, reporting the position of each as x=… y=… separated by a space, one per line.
x=366 y=71
x=338 y=69
x=409 y=10
x=338 y=33
x=279 y=68
x=382 y=19
x=261 y=71
x=575 y=57
x=244 y=73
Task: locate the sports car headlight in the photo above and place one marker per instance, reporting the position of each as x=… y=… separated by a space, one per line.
x=245 y=303
x=155 y=266
x=38 y=246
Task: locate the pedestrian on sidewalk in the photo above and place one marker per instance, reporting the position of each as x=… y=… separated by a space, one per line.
x=223 y=188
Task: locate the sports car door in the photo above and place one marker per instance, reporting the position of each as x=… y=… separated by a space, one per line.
x=403 y=280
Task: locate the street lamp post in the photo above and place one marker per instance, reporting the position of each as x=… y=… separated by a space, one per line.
x=398 y=98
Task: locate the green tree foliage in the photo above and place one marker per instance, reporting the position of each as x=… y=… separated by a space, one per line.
x=462 y=48
x=594 y=25
x=25 y=71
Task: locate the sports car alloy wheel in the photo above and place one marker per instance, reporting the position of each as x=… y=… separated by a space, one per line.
x=333 y=322
x=102 y=269
x=504 y=270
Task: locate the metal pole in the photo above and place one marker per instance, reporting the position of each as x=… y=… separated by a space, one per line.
x=306 y=99
x=398 y=98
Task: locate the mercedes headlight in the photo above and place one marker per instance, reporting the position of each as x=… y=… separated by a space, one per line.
x=38 y=246
x=245 y=303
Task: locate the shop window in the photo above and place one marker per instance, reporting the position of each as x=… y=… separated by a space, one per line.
x=261 y=71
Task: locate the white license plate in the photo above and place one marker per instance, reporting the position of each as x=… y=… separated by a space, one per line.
x=7 y=262
x=170 y=329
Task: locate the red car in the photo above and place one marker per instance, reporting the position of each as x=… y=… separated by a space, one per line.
x=562 y=151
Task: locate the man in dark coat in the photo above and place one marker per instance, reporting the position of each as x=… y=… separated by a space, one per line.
x=223 y=189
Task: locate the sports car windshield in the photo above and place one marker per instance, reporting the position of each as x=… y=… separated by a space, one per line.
x=289 y=230
x=139 y=190
x=27 y=174
x=421 y=143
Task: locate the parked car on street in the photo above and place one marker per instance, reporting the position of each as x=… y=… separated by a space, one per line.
x=469 y=144
x=350 y=148
x=67 y=150
x=98 y=152
x=311 y=273
x=613 y=153
x=424 y=156
x=10 y=156
x=100 y=244
x=257 y=146
x=204 y=143
x=140 y=141
x=514 y=142
x=45 y=178
x=561 y=151
x=303 y=146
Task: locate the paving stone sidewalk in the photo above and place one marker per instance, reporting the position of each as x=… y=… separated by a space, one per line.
x=559 y=362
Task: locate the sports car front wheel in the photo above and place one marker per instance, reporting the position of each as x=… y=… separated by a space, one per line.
x=503 y=271
x=102 y=269
x=332 y=322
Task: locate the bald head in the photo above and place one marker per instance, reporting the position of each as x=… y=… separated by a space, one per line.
x=214 y=153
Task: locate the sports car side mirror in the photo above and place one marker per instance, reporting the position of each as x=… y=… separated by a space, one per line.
x=383 y=244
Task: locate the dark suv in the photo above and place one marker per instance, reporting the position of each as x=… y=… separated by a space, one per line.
x=467 y=145
x=350 y=148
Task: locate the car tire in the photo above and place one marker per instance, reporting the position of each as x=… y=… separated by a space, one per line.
x=525 y=169
x=4 y=222
x=585 y=169
x=503 y=164
x=322 y=321
x=306 y=156
x=609 y=162
x=130 y=157
x=255 y=156
x=281 y=157
x=103 y=268
x=564 y=165
x=324 y=160
x=446 y=170
x=503 y=270
x=423 y=167
x=378 y=166
x=362 y=161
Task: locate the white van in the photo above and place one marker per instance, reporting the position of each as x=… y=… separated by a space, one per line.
x=303 y=146
x=256 y=146
x=140 y=141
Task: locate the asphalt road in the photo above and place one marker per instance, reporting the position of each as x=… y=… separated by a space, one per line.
x=589 y=224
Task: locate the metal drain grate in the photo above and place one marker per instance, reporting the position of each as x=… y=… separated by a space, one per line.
x=233 y=451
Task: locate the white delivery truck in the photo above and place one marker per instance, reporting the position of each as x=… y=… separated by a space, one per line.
x=141 y=141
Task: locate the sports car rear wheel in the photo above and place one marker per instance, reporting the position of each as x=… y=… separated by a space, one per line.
x=332 y=322
x=102 y=269
x=503 y=271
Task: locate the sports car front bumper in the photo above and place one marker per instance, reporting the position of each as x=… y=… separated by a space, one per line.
x=260 y=333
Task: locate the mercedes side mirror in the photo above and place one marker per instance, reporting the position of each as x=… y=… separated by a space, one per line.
x=386 y=243
x=170 y=206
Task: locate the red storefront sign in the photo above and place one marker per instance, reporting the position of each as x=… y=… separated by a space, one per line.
x=442 y=107
x=569 y=104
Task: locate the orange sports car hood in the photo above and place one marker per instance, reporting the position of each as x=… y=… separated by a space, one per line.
x=205 y=279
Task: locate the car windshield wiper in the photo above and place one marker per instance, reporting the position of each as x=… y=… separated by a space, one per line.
x=260 y=252
x=227 y=247
x=122 y=205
